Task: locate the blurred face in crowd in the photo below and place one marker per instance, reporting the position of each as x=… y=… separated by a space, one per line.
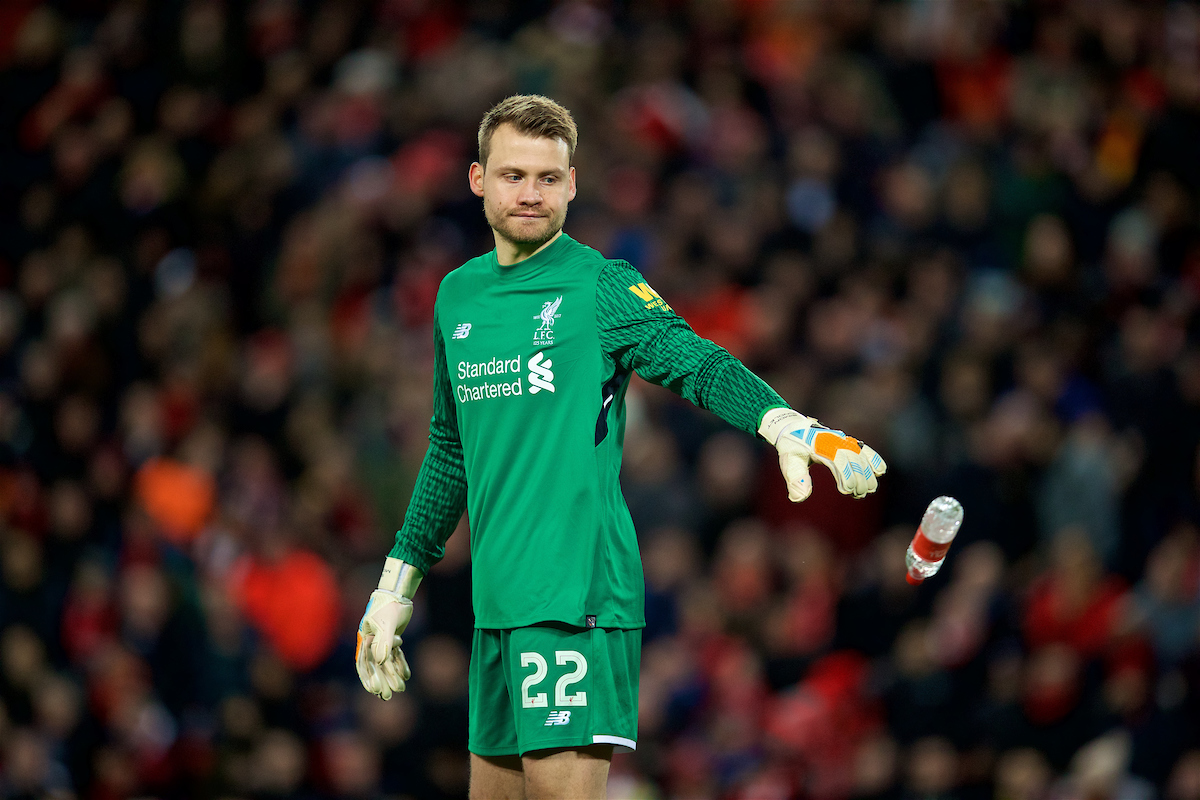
x=526 y=185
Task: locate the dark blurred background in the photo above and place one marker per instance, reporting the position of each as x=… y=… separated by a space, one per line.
x=967 y=232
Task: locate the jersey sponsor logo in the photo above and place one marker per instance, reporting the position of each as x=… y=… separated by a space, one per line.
x=510 y=383
x=544 y=335
x=647 y=295
x=540 y=376
x=462 y=331
x=493 y=366
x=558 y=718
x=489 y=389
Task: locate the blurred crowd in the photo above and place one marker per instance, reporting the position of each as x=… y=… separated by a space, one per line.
x=966 y=231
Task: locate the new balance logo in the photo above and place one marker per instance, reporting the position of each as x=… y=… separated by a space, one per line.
x=462 y=331
x=558 y=718
x=540 y=376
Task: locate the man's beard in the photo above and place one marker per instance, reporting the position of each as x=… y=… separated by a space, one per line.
x=513 y=231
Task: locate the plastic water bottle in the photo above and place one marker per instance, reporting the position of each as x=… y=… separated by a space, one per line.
x=937 y=530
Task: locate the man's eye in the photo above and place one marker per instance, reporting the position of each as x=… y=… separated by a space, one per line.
x=550 y=180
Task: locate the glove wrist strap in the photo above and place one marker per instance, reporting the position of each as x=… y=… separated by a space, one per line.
x=400 y=577
x=777 y=420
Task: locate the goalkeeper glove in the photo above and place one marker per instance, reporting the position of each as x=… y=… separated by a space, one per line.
x=382 y=668
x=800 y=439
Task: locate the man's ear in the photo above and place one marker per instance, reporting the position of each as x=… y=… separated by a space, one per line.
x=475 y=176
x=572 y=179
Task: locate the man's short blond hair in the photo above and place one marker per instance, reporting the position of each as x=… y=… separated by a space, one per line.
x=532 y=115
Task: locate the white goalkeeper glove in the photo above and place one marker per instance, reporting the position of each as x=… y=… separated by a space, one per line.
x=381 y=665
x=800 y=439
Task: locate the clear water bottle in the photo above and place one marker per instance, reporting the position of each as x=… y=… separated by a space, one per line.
x=937 y=530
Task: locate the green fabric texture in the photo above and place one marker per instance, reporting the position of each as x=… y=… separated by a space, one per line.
x=532 y=362
x=440 y=493
x=656 y=343
x=512 y=713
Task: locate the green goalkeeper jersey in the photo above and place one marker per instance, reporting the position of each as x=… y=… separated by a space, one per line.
x=531 y=364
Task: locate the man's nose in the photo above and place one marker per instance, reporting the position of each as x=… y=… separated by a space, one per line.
x=530 y=194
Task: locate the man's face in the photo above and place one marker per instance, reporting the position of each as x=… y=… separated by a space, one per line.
x=526 y=186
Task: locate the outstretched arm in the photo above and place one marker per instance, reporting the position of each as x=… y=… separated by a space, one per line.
x=640 y=332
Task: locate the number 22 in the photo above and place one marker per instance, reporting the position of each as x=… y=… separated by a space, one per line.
x=540 y=668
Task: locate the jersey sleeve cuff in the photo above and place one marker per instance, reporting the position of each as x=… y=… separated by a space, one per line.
x=411 y=555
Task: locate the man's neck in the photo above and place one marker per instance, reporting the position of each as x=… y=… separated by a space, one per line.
x=509 y=253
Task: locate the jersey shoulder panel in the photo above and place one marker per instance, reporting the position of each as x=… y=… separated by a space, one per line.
x=464 y=279
x=625 y=293
x=620 y=265
x=586 y=258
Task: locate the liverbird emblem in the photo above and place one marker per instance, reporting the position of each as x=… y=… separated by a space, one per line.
x=549 y=313
x=544 y=335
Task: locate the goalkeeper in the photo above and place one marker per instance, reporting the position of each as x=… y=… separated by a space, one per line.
x=534 y=346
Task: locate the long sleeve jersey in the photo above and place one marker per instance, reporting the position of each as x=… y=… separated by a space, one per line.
x=531 y=366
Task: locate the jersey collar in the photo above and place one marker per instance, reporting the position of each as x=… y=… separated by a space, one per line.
x=532 y=264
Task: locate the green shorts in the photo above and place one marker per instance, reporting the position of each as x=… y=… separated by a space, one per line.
x=552 y=685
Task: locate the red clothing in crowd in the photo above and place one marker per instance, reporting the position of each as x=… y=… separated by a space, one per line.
x=1086 y=627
